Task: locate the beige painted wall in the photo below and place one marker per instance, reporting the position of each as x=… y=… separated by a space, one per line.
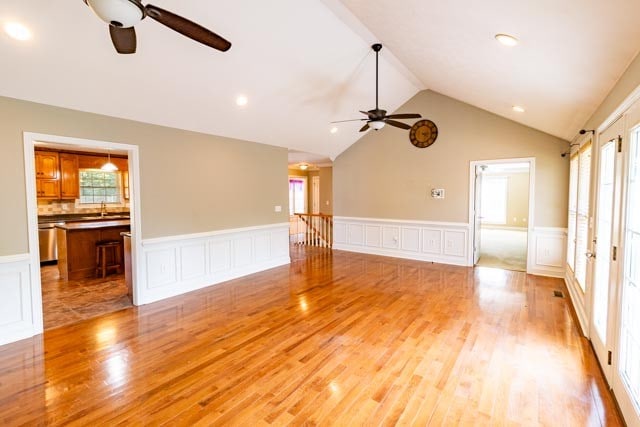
x=627 y=83
x=326 y=190
x=517 y=197
x=190 y=182
x=384 y=176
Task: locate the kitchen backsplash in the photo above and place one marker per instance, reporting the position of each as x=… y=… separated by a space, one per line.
x=51 y=207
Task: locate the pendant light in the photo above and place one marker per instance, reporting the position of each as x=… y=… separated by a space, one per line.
x=109 y=167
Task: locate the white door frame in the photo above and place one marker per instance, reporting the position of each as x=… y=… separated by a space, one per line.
x=472 y=192
x=30 y=140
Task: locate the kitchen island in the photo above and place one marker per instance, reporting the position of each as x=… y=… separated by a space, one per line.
x=77 y=246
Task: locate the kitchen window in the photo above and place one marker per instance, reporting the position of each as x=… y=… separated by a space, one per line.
x=97 y=186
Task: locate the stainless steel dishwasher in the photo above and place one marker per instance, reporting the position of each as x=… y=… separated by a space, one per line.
x=47 y=241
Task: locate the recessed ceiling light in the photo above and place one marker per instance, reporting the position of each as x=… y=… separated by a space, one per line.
x=17 y=31
x=506 y=39
x=334 y=129
x=242 y=100
x=518 y=109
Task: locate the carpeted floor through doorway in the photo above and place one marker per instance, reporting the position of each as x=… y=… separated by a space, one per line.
x=505 y=249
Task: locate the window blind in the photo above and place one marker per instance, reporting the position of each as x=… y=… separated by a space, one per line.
x=582 y=215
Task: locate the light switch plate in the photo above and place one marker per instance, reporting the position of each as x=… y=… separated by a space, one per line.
x=278 y=208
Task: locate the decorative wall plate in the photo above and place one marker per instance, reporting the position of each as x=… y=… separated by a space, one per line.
x=423 y=133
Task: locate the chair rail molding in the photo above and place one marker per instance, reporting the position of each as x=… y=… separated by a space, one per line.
x=442 y=242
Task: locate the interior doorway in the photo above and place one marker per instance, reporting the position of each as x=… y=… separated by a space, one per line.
x=81 y=195
x=501 y=213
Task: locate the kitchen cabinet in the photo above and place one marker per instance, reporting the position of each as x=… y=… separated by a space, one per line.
x=48 y=188
x=125 y=184
x=69 y=176
x=46 y=165
x=95 y=161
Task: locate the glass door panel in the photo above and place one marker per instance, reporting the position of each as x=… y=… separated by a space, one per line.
x=629 y=356
x=604 y=228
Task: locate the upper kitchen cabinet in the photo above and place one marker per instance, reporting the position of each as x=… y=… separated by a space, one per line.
x=46 y=165
x=95 y=161
x=48 y=188
x=69 y=176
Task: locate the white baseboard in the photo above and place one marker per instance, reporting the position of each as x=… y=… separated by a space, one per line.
x=442 y=242
x=17 y=320
x=175 y=265
x=547 y=251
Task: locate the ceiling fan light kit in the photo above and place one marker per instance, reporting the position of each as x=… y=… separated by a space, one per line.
x=119 y=13
x=122 y=15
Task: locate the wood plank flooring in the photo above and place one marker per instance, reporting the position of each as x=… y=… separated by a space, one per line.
x=69 y=301
x=333 y=339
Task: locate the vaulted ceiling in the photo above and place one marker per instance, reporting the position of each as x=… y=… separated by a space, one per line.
x=305 y=63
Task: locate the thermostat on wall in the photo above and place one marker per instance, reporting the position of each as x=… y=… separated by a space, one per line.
x=437 y=193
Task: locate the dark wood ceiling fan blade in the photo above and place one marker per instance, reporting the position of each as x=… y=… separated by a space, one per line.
x=124 y=39
x=398 y=124
x=187 y=28
x=351 y=120
x=404 y=116
x=365 y=127
x=367 y=113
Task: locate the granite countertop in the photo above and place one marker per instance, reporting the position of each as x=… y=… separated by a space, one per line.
x=90 y=225
x=43 y=219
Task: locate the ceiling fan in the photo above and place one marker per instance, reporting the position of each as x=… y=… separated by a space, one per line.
x=377 y=118
x=122 y=15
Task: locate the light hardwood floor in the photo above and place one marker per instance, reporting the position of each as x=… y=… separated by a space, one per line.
x=333 y=339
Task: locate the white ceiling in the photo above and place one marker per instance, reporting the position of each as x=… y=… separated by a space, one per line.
x=570 y=55
x=305 y=63
x=300 y=65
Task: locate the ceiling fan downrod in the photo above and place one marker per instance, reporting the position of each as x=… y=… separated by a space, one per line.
x=376 y=48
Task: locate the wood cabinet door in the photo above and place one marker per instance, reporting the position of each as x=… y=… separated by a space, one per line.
x=69 y=176
x=48 y=188
x=125 y=184
x=46 y=165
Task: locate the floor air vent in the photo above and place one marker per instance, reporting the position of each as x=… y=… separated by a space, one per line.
x=558 y=294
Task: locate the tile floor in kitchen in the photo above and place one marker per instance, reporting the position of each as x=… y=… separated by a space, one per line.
x=65 y=302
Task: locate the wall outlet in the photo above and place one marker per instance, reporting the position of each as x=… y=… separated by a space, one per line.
x=437 y=193
x=278 y=208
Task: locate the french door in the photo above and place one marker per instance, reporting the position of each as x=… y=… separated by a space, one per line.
x=626 y=366
x=605 y=245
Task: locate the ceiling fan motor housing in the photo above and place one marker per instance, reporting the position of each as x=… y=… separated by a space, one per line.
x=119 y=13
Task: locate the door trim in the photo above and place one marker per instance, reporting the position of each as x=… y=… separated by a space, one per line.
x=30 y=139
x=530 y=221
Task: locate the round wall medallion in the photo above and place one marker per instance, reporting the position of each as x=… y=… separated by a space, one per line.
x=423 y=133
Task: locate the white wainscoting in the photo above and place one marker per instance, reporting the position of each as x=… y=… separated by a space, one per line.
x=17 y=320
x=178 y=264
x=442 y=242
x=547 y=251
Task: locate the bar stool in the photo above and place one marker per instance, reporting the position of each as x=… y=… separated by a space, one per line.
x=103 y=249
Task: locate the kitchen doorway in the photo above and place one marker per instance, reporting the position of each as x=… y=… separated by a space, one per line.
x=83 y=222
x=501 y=212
